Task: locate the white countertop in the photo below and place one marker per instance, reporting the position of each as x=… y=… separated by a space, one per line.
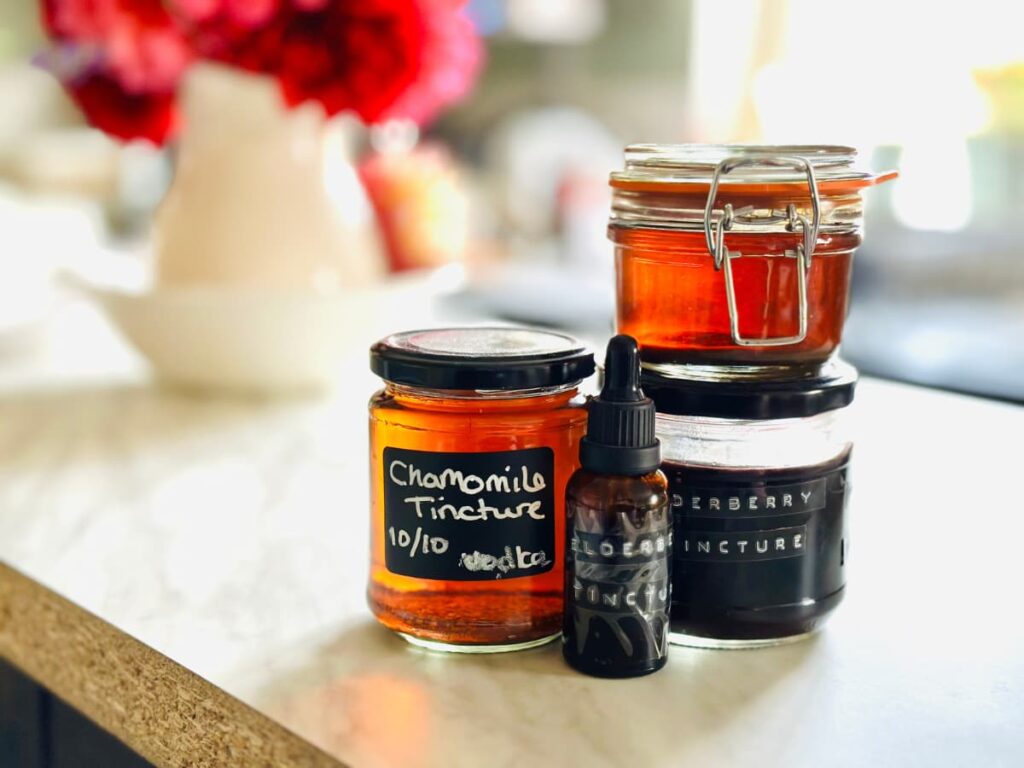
x=232 y=536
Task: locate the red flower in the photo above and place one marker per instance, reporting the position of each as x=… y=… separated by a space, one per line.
x=451 y=59
x=122 y=114
x=121 y=61
x=244 y=13
x=348 y=55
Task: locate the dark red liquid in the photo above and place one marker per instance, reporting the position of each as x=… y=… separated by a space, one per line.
x=754 y=596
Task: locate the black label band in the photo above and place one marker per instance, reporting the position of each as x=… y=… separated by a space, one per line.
x=604 y=548
x=742 y=546
x=619 y=592
x=753 y=501
x=469 y=516
x=742 y=575
x=628 y=599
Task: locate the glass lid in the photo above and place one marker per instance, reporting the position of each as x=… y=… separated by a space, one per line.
x=751 y=164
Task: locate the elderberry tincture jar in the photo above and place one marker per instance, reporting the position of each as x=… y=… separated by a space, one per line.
x=758 y=487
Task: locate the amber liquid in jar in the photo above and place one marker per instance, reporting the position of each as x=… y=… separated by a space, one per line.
x=673 y=300
x=494 y=612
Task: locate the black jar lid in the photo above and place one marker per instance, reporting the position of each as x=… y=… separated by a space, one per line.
x=748 y=399
x=497 y=358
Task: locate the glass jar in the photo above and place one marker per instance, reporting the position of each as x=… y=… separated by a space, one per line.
x=758 y=486
x=732 y=255
x=472 y=442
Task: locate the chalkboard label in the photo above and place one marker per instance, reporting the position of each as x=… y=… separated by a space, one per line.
x=469 y=516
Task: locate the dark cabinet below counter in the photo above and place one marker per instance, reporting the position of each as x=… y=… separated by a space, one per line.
x=38 y=730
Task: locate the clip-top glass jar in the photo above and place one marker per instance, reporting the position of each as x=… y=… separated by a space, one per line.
x=736 y=256
x=758 y=487
x=472 y=442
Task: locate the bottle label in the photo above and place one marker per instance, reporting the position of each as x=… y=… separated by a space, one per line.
x=762 y=508
x=743 y=545
x=469 y=516
x=619 y=594
x=756 y=549
x=731 y=501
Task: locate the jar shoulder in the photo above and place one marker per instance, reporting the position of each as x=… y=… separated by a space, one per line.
x=527 y=413
x=616 y=493
x=381 y=399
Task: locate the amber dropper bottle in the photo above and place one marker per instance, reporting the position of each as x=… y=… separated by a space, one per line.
x=619 y=532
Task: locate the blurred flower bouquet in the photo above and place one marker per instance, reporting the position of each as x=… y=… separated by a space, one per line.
x=265 y=205
x=122 y=61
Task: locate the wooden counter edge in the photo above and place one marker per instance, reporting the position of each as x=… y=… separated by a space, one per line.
x=167 y=714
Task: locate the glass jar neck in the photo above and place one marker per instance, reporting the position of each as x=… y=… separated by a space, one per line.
x=754 y=444
x=540 y=398
x=753 y=212
x=750 y=163
x=745 y=187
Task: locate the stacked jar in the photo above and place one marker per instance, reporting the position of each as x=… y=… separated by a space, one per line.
x=733 y=272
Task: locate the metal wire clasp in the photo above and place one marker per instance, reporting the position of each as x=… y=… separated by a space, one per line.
x=714 y=236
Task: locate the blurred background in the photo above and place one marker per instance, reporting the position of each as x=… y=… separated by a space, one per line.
x=498 y=207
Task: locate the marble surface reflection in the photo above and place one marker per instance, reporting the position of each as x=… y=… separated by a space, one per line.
x=231 y=535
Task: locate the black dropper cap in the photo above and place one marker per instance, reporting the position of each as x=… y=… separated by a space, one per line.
x=620 y=428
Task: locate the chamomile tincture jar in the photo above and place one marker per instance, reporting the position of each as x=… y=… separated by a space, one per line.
x=472 y=441
x=758 y=487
